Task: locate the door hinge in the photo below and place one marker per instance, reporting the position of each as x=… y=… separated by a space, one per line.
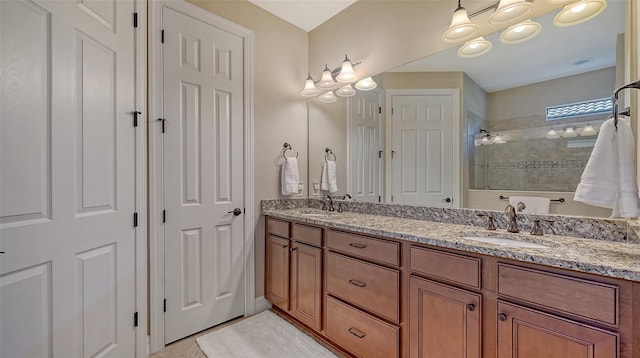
x=164 y=305
x=135 y=19
x=379 y=198
x=162 y=120
x=162 y=36
x=135 y=219
x=380 y=110
x=135 y=319
x=135 y=118
x=391 y=110
x=392 y=198
x=164 y=216
x=380 y=153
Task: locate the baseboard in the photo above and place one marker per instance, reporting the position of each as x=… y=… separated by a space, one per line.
x=262 y=304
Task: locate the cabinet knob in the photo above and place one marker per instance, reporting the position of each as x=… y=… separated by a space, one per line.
x=502 y=316
x=471 y=307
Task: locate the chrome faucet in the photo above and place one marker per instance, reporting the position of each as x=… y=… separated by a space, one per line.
x=324 y=203
x=537 y=229
x=513 y=219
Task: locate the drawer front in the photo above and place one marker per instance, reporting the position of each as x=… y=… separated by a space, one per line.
x=369 y=286
x=379 y=250
x=307 y=234
x=278 y=227
x=592 y=300
x=360 y=333
x=450 y=267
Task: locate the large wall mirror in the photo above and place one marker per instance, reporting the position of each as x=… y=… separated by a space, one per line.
x=503 y=145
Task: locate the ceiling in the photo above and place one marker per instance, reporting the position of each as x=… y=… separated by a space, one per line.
x=305 y=14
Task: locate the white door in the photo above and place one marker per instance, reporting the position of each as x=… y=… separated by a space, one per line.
x=423 y=150
x=365 y=146
x=203 y=175
x=67 y=278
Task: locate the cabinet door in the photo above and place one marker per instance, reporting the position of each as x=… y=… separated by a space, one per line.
x=306 y=284
x=524 y=332
x=444 y=321
x=277 y=271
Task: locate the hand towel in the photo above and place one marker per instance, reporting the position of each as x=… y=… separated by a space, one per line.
x=290 y=178
x=329 y=181
x=533 y=204
x=609 y=179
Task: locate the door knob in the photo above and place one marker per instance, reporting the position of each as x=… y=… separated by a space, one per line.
x=448 y=200
x=236 y=211
x=502 y=316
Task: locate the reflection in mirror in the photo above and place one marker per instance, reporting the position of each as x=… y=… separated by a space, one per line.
x=508 y=145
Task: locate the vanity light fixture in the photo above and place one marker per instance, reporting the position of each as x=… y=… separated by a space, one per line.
x=579 y=12
x=327 y=81
x=510 y=10
x=498 y=139
x=461 y=27
x=569 y=133
x=552 y=134
x=521 y=32
x=366 y=84
x=347 y=74
x=588 y=131
x=345 y=91
x=485 y=140
x=474 y=48
x=327 y=97
x=310 y=88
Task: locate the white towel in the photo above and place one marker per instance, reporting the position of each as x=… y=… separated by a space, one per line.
x=290 y=178
x=533 y=204
x=329 y=181
x=609 y=179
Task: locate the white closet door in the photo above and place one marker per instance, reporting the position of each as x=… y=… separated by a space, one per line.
x=423 y=171
x=67 y=187
x=203 y=175
x=365 y=147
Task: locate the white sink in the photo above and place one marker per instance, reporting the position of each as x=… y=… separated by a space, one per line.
x=506 y=242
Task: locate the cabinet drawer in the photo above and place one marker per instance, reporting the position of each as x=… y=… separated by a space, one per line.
x=369 y=286
x=446 y=266
x=278 y=227
x=592 y=300
x=307 y=234
x=360 y=333
x=365 y=247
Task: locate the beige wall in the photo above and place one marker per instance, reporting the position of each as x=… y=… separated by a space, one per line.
x=280 y=113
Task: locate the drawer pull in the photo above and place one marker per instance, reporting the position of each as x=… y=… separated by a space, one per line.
x=356 y=332
x=357 y=246
x=357 y=283
x=471 y=307
x=502 y=316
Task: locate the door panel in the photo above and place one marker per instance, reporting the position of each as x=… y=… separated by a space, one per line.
x=423 y=145
x=68 y=186
x=203 y=175
x=365 y=143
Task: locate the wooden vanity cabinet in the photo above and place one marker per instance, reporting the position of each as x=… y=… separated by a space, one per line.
x=306 y=284
x=277 y=262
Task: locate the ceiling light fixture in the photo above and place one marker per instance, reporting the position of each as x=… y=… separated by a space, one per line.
x=474 y=48
x=510 y=10
x=327 y=97
x=345 y=91
x=579 y=12
x=366 y=84
x=347 y=74
x=310 y=88
x=521 y=32
x=327 y=81
x=461 y=27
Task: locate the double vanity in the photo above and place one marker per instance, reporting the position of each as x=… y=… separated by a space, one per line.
x=392 y=286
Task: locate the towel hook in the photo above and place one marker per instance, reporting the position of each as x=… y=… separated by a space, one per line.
x=614 y=99
x=328 y=153
x=286 y=147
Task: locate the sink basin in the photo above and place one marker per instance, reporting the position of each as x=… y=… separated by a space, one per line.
x=506 y=242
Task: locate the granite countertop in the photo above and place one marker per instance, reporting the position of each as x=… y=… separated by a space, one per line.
x=605 y=258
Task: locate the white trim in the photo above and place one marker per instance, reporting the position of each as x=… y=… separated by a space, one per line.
x=156 y=233
x=262 y=304
x=457 y=137
x=141 y=179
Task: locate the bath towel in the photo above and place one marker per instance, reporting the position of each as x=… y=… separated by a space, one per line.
x=329 y=181
x=290 y=177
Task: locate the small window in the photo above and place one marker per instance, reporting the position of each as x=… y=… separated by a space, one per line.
x=580 y=109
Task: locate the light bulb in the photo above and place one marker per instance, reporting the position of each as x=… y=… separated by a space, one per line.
x=579 y=8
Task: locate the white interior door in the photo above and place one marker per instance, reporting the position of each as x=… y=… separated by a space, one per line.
x=203 y=175
x=67 y=278
x=365 y=142
x=423 y=150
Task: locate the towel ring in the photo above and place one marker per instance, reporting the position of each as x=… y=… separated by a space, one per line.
x=328 y=153
x=286 y=147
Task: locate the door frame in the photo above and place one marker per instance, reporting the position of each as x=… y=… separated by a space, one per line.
x=156 y=205
x=457 y=137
